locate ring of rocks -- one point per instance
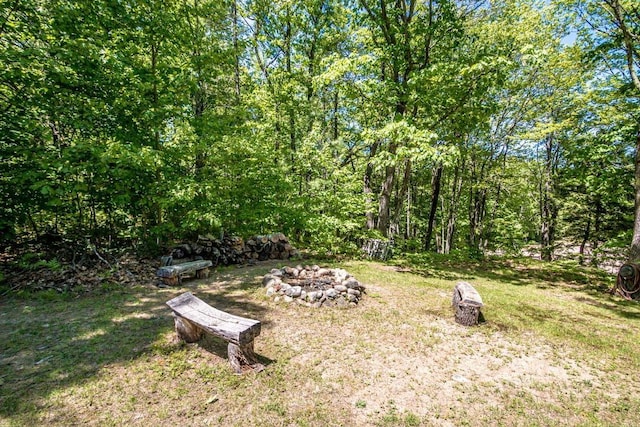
(313, 286)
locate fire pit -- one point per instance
(313, 286)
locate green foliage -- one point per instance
(32, 261)
(327, 120)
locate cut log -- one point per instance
(467, 303)
(187, 331)
(203, 273)
(242, 358)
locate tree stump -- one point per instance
(467, 302)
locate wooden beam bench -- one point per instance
(467, 302)
(193, 317)
(172, 274)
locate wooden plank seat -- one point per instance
(193, 317)
(172, 274)
(467, 302)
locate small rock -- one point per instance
(303, 295)
(340, 275)
(302, 274)
(317, 304)
(276, 299)
(341, 302)
(351, 283)
(340, 288)
(284, 287)
(323, 272)
(352, 298)
(294, 291)
(270, 280)
(288, 298)
(353, 304)
(352, 291)
(331, 293)
(270, 291)
(276, 272)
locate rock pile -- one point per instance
(313, 286)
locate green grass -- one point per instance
(556, 349)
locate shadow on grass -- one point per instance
(49, 344)
(586, 284)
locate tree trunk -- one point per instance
(631, 53)
(447, 243)
(548, 209)
(402, 193)
(585, 238)
(436, 180)
(476, 216)
(236, 50)
(634, 251)
(384, 203)
(368, 188)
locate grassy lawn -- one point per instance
(555, 349)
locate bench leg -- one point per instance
(186, 330)
(172, 281)
(242, 358)
(203, 273)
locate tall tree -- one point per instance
(610, 30)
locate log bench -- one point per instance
(172, 274)
(467, 302)
(193, 317)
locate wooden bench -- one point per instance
(193, 317)
(467, 302)
(172, 274)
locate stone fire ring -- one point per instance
(313, 286)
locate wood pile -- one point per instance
(232, 250)
(272, 246)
